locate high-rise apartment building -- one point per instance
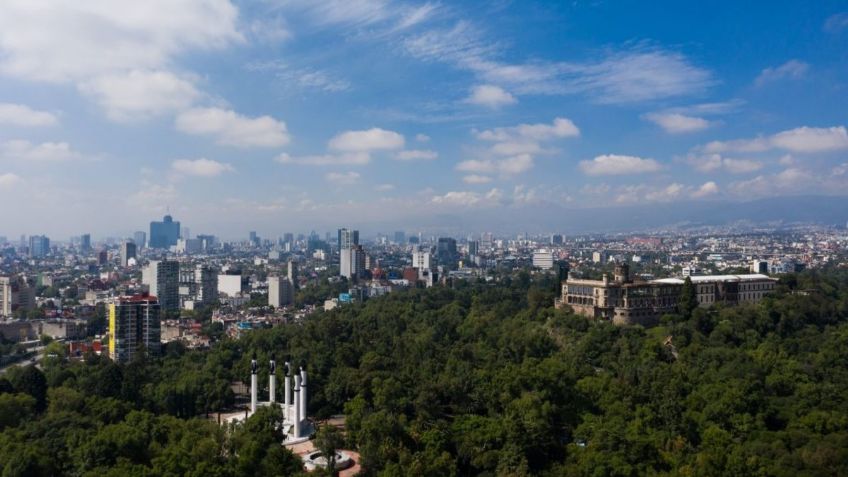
(127, 252)
(163, 278)
(165, 233)
(280, 291)
(15, 294)
(352, 262)
(39, 246)
(134, 325)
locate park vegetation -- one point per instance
(479, 379)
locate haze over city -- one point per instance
(297, 115)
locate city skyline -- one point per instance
(281, 116)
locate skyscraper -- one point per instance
(163, 278)
(348, 238)
(85, 243)
(280, 291)
(140, 239)
(127, 252)
(39, 246)
(292, 273)
(164, 234)
(134, 324)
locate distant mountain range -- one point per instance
(539, 218)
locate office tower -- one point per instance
(421, 259)
(163, 278)
(85, 243)
(280, 291)
(127, 252)
(164, 234)
(348, 238)
(134, 325)
(556, 239)
(292, 273)
(352, 262)
(400, 237)
(473, 247)
(39, 246)
(15, 294)
(140, 239)
(446, 252)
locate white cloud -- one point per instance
(343, 178)
(373, 139)
(233, 129)
(422, 137)
(559, 128)
(349, 159)
(22, 150)
(612, 164)
(799, 140)
(476, 179)
(22, 115)
(78, 40)
(505, 167)
(201, 167)
(676, 123)
(490, 96)
(468, 198)
(140, 94)
(706, 190)
(806, 139)
(8, 180)
(715, 162)
(836, 22)
(416, 154)
(792, 69)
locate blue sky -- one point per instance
(291, 115)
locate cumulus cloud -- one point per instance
(715, 162)
(348, 159)
(342, 178)
(201, 167)
(416, 154)
(469, 198)
(476, 179)
(676, 123)
(22, 115)
(490, 96)
(8, 180)
(799, 140)
(706, 190)
(559, 128)
(18, 149)
(140, 94)
(505, 167)
(613, 164)
(373, 139)
(792, 69)
(232, 129)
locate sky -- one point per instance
(294, 115)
